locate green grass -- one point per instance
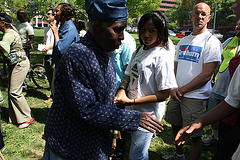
(28, 144)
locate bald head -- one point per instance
(200, 17)
(202, 5)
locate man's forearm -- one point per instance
(201, 79)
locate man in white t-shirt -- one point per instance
(25, 29)
(224, 109)
(197, 57)
(26, 33)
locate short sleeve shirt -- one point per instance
(150, 71)
(191, 53)
(233, 97)
(11, 44)
(25, 30)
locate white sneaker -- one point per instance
(210, 140)
(173, 156)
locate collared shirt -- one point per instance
(48, 39)
(68, 35)
(83, 114)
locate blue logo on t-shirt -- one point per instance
(190, 53)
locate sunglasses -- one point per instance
(50, 14)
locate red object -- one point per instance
(234, 119)
(180, 34)
(31, 121)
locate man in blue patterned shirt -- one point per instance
(83, 114)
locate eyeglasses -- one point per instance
(204, 15)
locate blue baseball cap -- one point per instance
(107, 10)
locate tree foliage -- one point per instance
(137, 8)
(180, 14)
(225, 14)
(37, 7)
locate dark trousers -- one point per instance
(229, 138)
(49, 69)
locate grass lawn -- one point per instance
(28, 144)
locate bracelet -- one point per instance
(121, 88)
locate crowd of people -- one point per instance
(100, 82)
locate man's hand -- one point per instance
(186, 132)
(176, 94)
(150, 123)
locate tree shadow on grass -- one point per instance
(33, 92)
(39, 114)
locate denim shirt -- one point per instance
(68, 35)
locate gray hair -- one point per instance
(90, 26)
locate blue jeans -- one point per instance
(139, 145)
(49, 155)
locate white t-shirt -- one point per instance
(150, 71)
(48, 39)
(233, 96)
(25, 30)
(191, 53)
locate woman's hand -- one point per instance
(121, 94)
(54, 27)
(121, 99)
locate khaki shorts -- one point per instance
(181, 114)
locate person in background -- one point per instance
(230, 49)
(81, 28)
(149, 78)
(1, 97)
(48, 48)
(83, 114)
(1, 101)
(64, 36)
(122, 56)
(197, 57)
(25, 30)
(18, 66)
(27, 35)
(228, 107)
